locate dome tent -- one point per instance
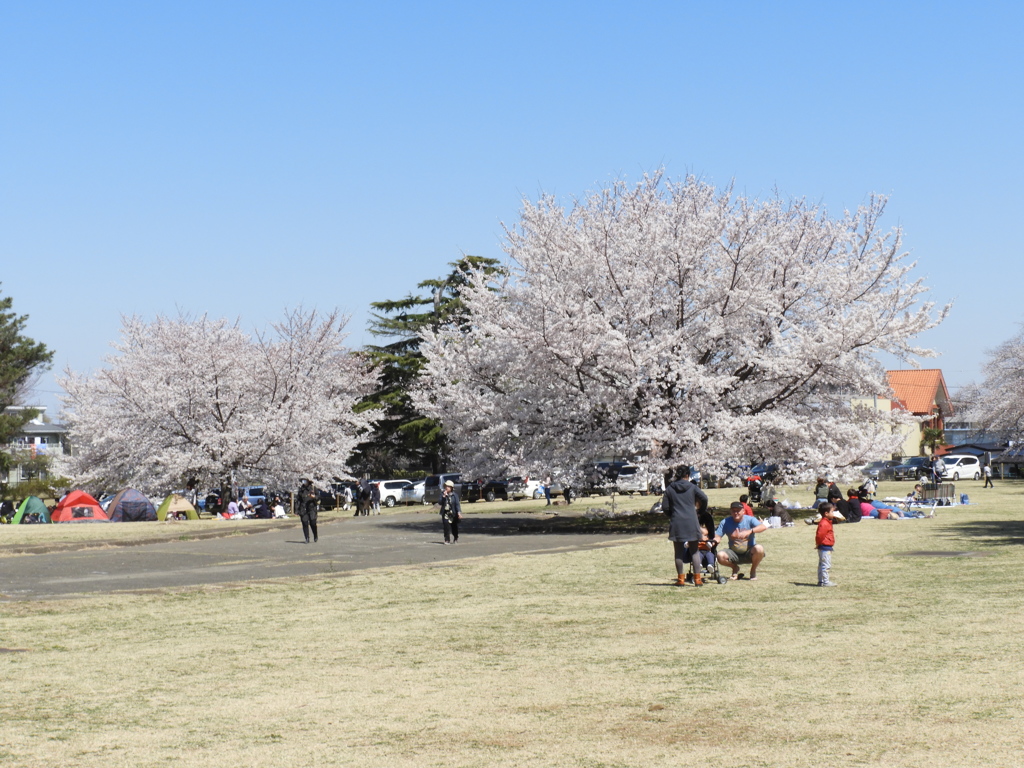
(31, 505)
(79, 507)
(130, 506)
(176, 503)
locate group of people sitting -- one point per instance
(858, 504)
(243, 509)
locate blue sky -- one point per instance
(238, 158)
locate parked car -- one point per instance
(617, 477)
(470, 490)
(880, 470)
(505, 488)
(432, 486)
(413, 493)
(915, 468)
(632, 479)
(213, 502)
(333, 497)
(390, 490)
(961, 466)
(518, 488)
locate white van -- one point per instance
(962, 466)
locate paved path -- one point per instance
(349, 544)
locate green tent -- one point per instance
(176, 503)
(32, 505)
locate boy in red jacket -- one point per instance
(825, 540)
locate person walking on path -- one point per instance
(987, 471)
(680, 504)
(307, 510)
(825, 540)
(451, 513)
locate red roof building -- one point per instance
(923, 393)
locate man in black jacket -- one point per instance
(306, 507)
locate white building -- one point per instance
(37, 439)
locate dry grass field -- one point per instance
(585, 658)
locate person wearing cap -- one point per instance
(740, 529)
(451, 513)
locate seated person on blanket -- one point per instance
(874, 509)
(916, 496)
(848, 512)
(912, 504)
(740, 529)
(777, 509)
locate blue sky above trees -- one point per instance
(240, 158)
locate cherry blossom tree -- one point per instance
(997, 404)
(683, 323)
(199, 399)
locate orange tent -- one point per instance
(79, 507)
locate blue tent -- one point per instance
(130, 506)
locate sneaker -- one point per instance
(828, 584)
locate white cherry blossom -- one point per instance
(199, 398)
(677, 321)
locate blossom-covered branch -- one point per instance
(674, 320)
(200, 399)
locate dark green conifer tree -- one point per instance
(20, 359)
(404, 440)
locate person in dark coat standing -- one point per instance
(680, 504)
(306, 508)
(451, 513)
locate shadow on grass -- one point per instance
(997, 532)
(508, 525)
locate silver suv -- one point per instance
(432, 486)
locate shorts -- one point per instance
(738, 559)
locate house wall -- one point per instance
(911, 432)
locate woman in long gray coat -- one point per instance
(680, 504)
